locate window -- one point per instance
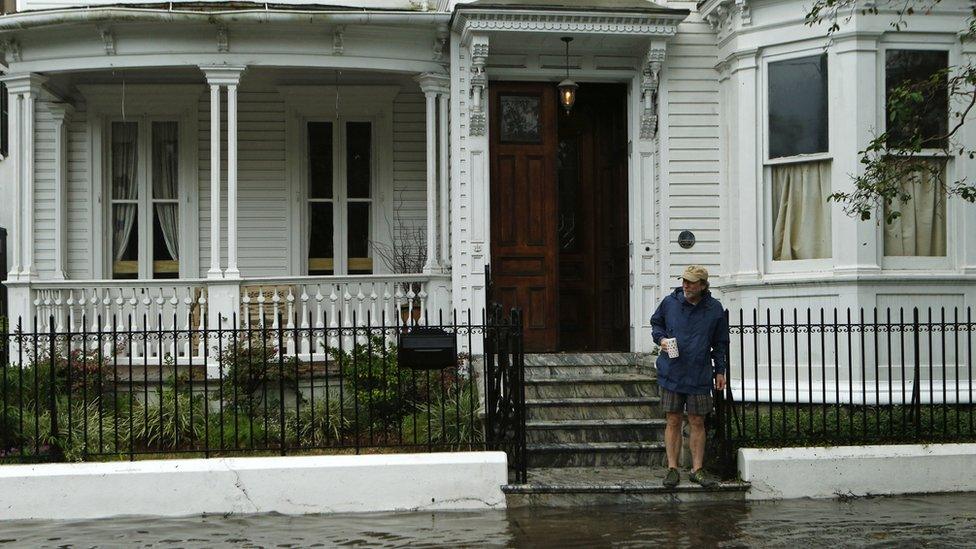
(798, 166)
(144, 213)
(339, 215)
(920, 228)
(798, 106)
(914, 69)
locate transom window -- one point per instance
(339, 197)
(144, 215)
(798, 172)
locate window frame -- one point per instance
(365, 103)
(953, 216)
(340, 200)
(174, 102)
(774, 266)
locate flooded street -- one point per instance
(928, 521)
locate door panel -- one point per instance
(523, 205)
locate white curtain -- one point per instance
(920, 230)
(801, 213)
(124, 164)
(165, 182)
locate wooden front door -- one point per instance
(523, 206)
(593, 221)
(559, 214)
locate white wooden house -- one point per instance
(194, 160)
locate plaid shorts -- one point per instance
(699, 405)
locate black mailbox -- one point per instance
(427, 349)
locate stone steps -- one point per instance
(594, 430)
(595, 454)
(637, 407)
(581, 486)
(608, 385)
(586, 364)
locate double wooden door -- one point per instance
(559, 214)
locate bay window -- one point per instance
(797, 158)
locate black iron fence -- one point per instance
(833, 377)
(93, 393)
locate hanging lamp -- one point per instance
(567, 88)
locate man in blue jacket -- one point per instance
(692, 325)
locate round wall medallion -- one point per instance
(686, 239)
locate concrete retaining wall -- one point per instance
(858, 470)
(289, 485)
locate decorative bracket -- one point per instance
(223, 41)
(650, 80)
(12, 47)
(108, 39)
(337, 45)
(478, 49)
(440, 43)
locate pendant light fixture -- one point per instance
(567, 88)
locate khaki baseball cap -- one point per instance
(694, 273)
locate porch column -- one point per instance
(445, 196)
(432, 84)
(60, 112)
(217, 77)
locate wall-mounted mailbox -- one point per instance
(427, 349)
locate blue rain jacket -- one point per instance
(702, 332)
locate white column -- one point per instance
(27, 154)
(217, 77)
(853, 104)
(747, 173)
(432, 84)
(13, 150)
(232, 270)
(60, 112)
(443, 165)
(214, 271)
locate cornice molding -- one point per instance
(726, 16)
(470, 21)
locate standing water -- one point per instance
(931, 521)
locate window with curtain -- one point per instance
(920, 228)
(801, 213)
(145, 203)
(339, 197)
(799, 169)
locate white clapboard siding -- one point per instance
(44, 190)
(692, 147)
(409, 162)
(79, 253)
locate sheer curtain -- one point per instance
(124, 163)
(166, 182)
(801, 214)
(921, 228)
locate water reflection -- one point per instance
(933, 521)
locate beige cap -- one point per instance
(694, 273)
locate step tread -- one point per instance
(555, 480)
(595, 379)
(592, 446)
(584, 359)
(591, 423)
(566, 401)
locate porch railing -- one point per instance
(830, 377)
(189, 304)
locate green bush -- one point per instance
(252, 374)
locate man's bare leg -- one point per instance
(697, 441)
(672, 439)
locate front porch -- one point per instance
(179, 197)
